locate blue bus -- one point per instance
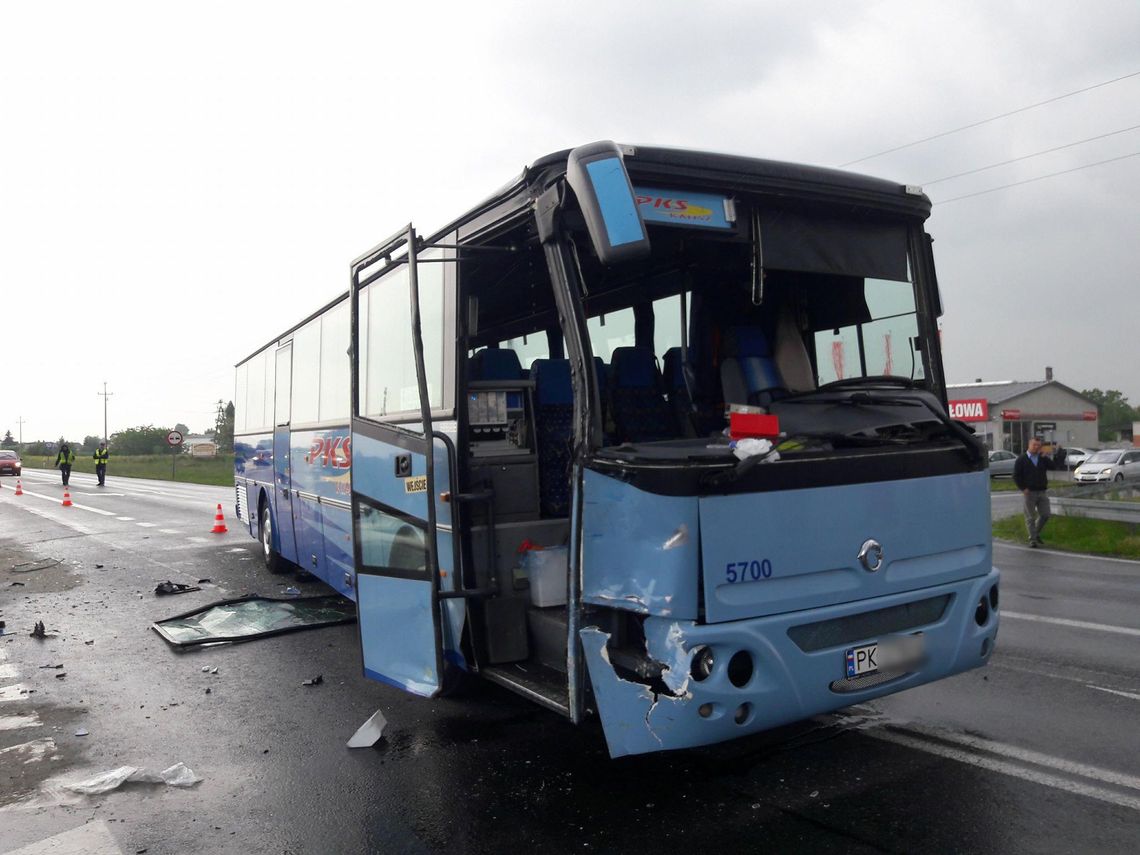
(654, 436)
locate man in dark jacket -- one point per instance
(1031, 475)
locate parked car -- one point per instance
(1112, 464)
(1074, 457)
(10, 463)
(1001, 464)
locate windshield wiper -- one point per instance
(871, 380)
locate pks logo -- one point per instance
(335, 452)
(678, 208)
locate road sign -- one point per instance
(174, 438)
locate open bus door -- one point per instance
(396, 477)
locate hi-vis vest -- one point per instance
(68, 457)
(101, 455)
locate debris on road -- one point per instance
(81, 732)
(61, 675)
(204, 581)
(39, 630)
(247, 618)
(168, 587)
(178, 775)
(292, 591)
(315, 681)
(98, 566)
(60, 665)
(370, 732)
(32, 566)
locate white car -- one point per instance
(1074, 457)
(1113, 464)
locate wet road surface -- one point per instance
(1037, 753)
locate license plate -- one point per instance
(894, 653)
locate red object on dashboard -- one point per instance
(742, 425)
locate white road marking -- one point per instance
(1131, 695)
(197, 539)
(169, 531)
(91, 838)
(147, 525)
(73, 504)
(18, 722)
(1076, 624)
(35, 750)
(15, 692)
(9, 672)
(125, 519)
(1006, 767)
(1017, 546)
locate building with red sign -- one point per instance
(1008, 413)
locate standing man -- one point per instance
(63, 462)
(1031, 474)
(100, 456)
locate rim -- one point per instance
(266, 533)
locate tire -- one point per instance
(1119, 476)
(274, 563)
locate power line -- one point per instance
(991, 119)
(1028, 156)
(1038, 178)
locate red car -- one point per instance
(10, 463)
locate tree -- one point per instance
(145, 439)
(224, 427)
(8, 441)
(182, 429)
(90, 443)
(1114, 410)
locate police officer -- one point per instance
(63, 462)
(100, 457)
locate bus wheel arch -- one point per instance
(274, 563)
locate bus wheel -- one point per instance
(274, 563)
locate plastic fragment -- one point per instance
(178, 775)
(293, 591)
(81, 732)
(315, 681)
(369, 733)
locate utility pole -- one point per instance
(20, 422)
(105, 395)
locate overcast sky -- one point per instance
(181, 182)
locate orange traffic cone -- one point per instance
(19, 489)
(219, 522)
(66, 498)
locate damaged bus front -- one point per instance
(666, 441)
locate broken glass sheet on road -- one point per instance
(247, 618)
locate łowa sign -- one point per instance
(970, 410)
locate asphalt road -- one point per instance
(1036, 753)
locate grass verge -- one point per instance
(217, 471)
(1078, 534)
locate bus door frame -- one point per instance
(284, 524)
(429, 585)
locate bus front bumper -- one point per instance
(759, 673)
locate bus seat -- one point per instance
(748, 374)
(493, 363)
(601, 369)
(554, 430)
(791, 356)
(637, 404)
(696, 414)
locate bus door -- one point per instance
(282, 474)
(398, 471)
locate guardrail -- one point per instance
(1083, 501)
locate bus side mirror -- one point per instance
(596, 173)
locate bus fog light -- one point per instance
(740, 668)
(982, 612)
(702, 664)
(705, 710)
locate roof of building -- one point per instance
(1000, 391)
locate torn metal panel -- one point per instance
(247, 618)
(641, 551)
(634, 718)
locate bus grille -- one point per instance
(239, 491)
(868, 625)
